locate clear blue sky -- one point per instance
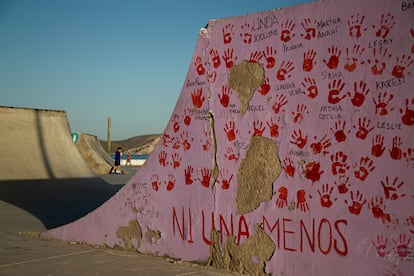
(98, 58)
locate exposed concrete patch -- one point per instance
(152, 236)
(249, 257)
(256, 174)
(128, 233)
(245, 78)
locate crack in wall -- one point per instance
(215, 170)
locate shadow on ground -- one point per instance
(56, 202)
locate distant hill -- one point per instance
(143, 144)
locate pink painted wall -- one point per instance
(337, 100)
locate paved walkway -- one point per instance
(22, 252)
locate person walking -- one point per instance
(128, 162)
(118, 157)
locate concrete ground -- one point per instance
(29, 207)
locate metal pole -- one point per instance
(109, 135)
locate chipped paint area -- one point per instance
(249, 257)
(245, 78)
(256, 174)
(152, 236)
(130, 235)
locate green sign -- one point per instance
(75, 137)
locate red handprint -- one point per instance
(176, 122)
(381, 244)
(269, 55)
(408, 114)
(355, 24)
(188, 114)
(246, 33)
(395, 151)
(228, 58)
(225, 95)
(207, 142)
(299, 115)
(197, 97)
(188, 175)
(378, 63)
(323, 143)
(229, 129)
(404, 247)
(154, 182)
(299, 140)
(162, 156)
(273, 127)
(310, 85)
(357, 203)
(206, 174)
(333, 61)
(227, 33)
(382, 103)
(312, 171)
(211, 76)
(409, 156)
(288, 167)
(363, 128)
(378, 208)
(359, 93)
(287, 28)
(230, 155)
(284, 71)
(302, 204)
(185, 140)
(176, 143)
(366, 166)
(401, 65)
(199, 66)
(166, 139)
(387, 23)
(281, 201)
(352, 58)
(215, 57)
(390, 190)
(308, 60)
(281, 101)
(225, 180)
(339, 164)
(339, 131)
(325, 196)
(265, 87)
(258, 128)
(309, 27)
(176, 158)
(256, 56)
(377, 145)
(335, 88)
(171, 182)
(343, 184)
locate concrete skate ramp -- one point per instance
(290, 150)
(41, 169)
(93, 153)
(37, 144)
